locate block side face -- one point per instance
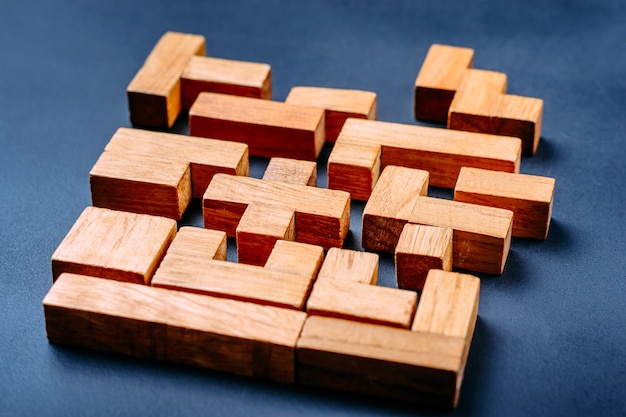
(222, 215)
(432, 104)
(479, 253)
(381, 233)
(501, 184)
(333, 99)
(148, 110)
(411, 269)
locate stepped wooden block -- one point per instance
(350, 265)
(291, 171)
(269, 128)
(529, 197)
(225, 76)
(322, 216)
(154, 94)
(114, 244)
(181, 269)
(420, 249)
(339, 105)
(438, 80)
(154, 323)
(364, 147)
(390, 205)
(520, 117)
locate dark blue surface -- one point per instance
(551, 334)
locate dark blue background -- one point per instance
(551, 334)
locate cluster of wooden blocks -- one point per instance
(297, 307)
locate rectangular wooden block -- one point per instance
(350, 265)
(296, 258)
(339, 105)
(225, 76)
(269, 128)
(529, 197)
(114, 244)
(438, 80)
(154, 96)
(154, 323)
(481, 237)
(519, 117)
(291, 171)
(378, 360)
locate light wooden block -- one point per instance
(339, 105)
(206, 157)
(438, 80)
(154, 94)
(291, 171)
(154, 323)
(390, 205)
(269, 128)
(369, 359)
(365, 146)
(481, 237)
(322, 216)
(296, 258)
(362, 302)
(529, 197)
(114, 244)
(519, 117)
(420, 249)
(350, 265)
(225, 76)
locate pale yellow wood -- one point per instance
(520, 117)
(269, 128)
(291, 171)
(113, 244)
(154, 323)
(296, 258)
(350, 265)
(154, 96)
(529, 197)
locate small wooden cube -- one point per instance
(519, 117)
(291, 171)
(296, 258)
(350, 265)
(420, 249)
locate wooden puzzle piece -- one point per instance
(339, 105)
(350, 265)
(438, 80)
(114, 244)
(154, 94)
(364, 147)
(225, 76)
(268, 127)
(420, 249)
(529, 197)
(520, 117)
(155, 323)
(302, 259)
(291, 171)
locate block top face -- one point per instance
(350, 265)
(335, 99)
(508, 185)
(479, 92)
(396, 191)
(227, 71)
(509, 106)
(424, 240)
(444, 66)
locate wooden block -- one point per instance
(114, 244)
(420, 249)
(353, 167)
(194, 244)
(154, 96)
(362, 302)
(338, 104)
(154, 323)
(388, 210)
(225, 76)
(206, 157)
(322, 216)
(269, 128)
(350, 265)
(377, 360)
(296, 258)
(481, 237)
(529, 197)
(519, 117)
(291, 171)
(438, 80)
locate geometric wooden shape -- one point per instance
(519, 117)
(438, 80)
(269, 128)
(350, 265)
(225, 76)
(114, 244)
(154, 96)
(154, 323)
(529, 197)
(420, 249)
(364, 147)
(339, 105)
(296, 258)
(291, 171)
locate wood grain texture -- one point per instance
(529, 197)
(350, 265)
(154, 323)
(322, 216)
(154, 94)
(296, 258)
(339, 105)
(225, 76)
(438, 79)
(114, 244)
(291, 171)
(420, 249)
(390, 205)
(269, 128)
(519, 117)
(377, 360)
(354, 167)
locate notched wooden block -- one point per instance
(291, 171)
(350, 265)
(529, 197)
(115, 245)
